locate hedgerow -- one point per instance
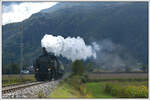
(126, 91)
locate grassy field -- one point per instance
(96, 90)
(64, 91)
(110, 85)
(15, 79)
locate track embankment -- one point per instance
(29, 90)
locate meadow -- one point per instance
(15, 79)
(108, 85)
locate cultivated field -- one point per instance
(121, 76)
(15, 79)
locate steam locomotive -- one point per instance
(47, 67)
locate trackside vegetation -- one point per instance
(15, 79)
(78, 85)
(127, 89)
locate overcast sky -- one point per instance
(19, 11)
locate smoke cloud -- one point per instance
(107, 54)
(114, 57)
(72, 48)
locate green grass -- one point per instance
(64, 91)
(94, 90)
(97, 90)
(15, 79)
(76, 87)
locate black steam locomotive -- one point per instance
(47, 67)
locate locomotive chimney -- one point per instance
(44, 51)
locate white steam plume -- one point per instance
(72, 48)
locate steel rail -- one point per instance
(17, 87)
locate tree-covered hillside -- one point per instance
(123, 23)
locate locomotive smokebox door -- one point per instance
(46, 66)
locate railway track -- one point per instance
(17, 84)
(13, 88)
(30, 90)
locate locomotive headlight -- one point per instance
(37, 69)
(49, 69)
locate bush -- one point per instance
(144, 68)
(83, 89)
(75, 81)
(84, 78)
(11, 69)
(77, 67)
(126, 91)
(108, 87)
(136, 92)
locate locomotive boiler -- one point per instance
(47, 67)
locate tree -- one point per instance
(78, 67)
(5, 70)
(89, 67)
(128, 69)
(11, 69)
(144, 68)
(15, 69)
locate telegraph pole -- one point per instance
(21, 50)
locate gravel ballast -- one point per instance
(36, 91)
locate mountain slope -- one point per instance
(124, 24)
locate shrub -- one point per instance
(108, 87)
(11, 69)
(84, 92)
(83, 89)
(75, 81)
(77, 67)
(136, 91)
(126, 91)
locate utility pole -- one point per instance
(21, 50)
